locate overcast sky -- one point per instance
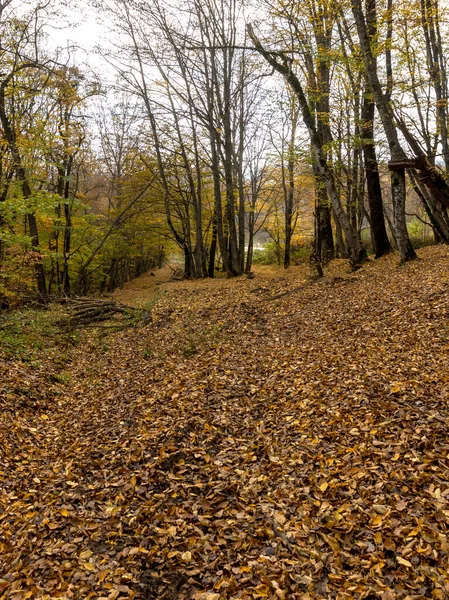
(83, 34)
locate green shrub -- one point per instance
(300, 253)
(268, 256)
(420, 233)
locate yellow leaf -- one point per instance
(403, 561)
(86, 554)
(187, 556)
(324, 486)
(89, 566)
(262, 591)
(376, 521)
(279, 517)
(102, 575)
(64, 512)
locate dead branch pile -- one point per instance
(88, 312)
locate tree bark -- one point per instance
(381, 243)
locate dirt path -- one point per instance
(145, 288)
(243, 447)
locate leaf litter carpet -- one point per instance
(248, 443)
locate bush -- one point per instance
(420, 233)
(268, 256)
(300, 253)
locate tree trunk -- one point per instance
(400, 226)
(325, 247)
(212, 250)
(221, 237)
(250, 251)
(381, 243)
(435, 211)
(290, 192)
(340, 248)
(188, 262)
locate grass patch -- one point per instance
(29, 333)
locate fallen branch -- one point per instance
(88, 312)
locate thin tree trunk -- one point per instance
(212, 250)
(290, 193)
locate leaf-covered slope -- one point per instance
(242, 446)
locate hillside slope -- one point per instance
(266, 438)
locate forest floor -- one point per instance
(278, 438)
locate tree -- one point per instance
(364, 128)
(398, 155)
(24, 70)
(281, 63)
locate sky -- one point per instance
(83, 34)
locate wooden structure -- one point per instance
(405, 163)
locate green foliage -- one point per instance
(420, 233)
(268, 256)
(300, 253)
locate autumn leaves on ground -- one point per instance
(273, 438)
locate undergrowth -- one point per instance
(28, 333)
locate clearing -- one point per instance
(247, 443)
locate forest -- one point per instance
(312, 128)
(224, 300)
